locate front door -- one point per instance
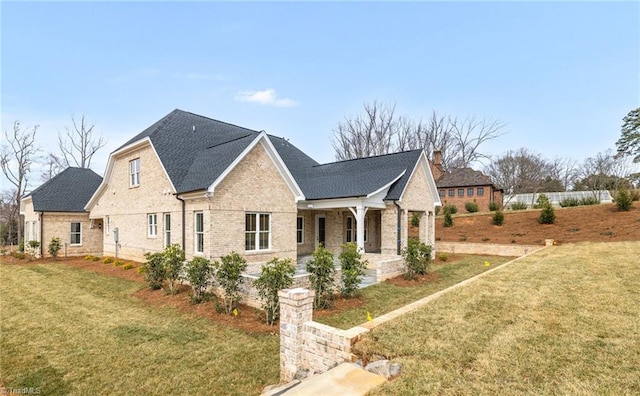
(320, 230)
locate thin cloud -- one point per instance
(265, 97)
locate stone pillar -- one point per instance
(296, 308)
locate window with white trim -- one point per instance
(300, 229)
(75, 234)
(199, 232)
(107, 225)
(34, 231)
(167, 229)
(134, 172)
(351, 235)
(366, 229)
(152, 225)
(257, 231)
(27, 237)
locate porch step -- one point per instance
(368, 279)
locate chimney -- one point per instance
(437, 158)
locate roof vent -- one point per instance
(194, 128)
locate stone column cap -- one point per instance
(297, 293)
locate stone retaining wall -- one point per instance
(485, 248)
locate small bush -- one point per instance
(228, 273)
(415, 220)
(118, 263)
(471, 207)
(154, 270)
(274, 276)
(542, 201)
(518, 206)
(95, 258)
(493, 206)
(322, 270)
(448, 219)
(624, 200)
(589, 201)
(498, 218)
(452, 209)
(438, 210)
(352, 269)
(569, 202)
(173, 258)
(127, 266)
(198, 273)
(635, 195)
(443, 257)
(141, 270)
(21, 245)
(88, 257)
(19, 255)
(107, 260)
(417, 257)
(54, 247)
(547, 216)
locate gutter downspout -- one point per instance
(398, 228)
(184, 217)
(41, 237)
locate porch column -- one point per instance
(360, 213)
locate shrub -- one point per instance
(415, 220)
(547, 216)
(118, 263)
(21, 245)
(322, 270)
(635, 195)
(452, 209)
(228, 273)
(54, 247)
(417, 257)
(471, 207)
(542, 201)
(275, 275)
(493, 206)
(173, 257)
(498, 218)
(443, 257)
(95, 258)
(198, 273)
(127, 266)
(569, 202)
(154, 270)
(438, 210)
(107, 260)
(518, 206)
(589, 201)
(19, 255)
(623, 200)
(88, 257)
(448, 219)
(352, 269)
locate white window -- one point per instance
(366, 229)
(167, 229)
(134, 171)
(300, 229)
(107, 225)
(257, 231)
(26, 231)
(351, 235)
(34, 231)
(152, 224)
(199, 232)
(75, 235)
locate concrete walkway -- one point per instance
(346, 379)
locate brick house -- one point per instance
(461, 185)
(214, 188)
(56, 209)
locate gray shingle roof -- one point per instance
(195, 157)
(462, 177)
(69, 191)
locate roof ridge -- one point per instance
(372, 156)
(230, 141)
(213, 119)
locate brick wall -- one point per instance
(489, 195)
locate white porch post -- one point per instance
(359, 214)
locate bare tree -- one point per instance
(379, 130)
(52, 166)
(564, 170)
(16, 158)
(518, 172)
(603, 172)
(80, 144)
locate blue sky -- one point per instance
(560, 75)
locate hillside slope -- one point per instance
(584, 223)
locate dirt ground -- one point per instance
(599, 223)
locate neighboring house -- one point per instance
(461, 185)
(214, 188)
(56, 209)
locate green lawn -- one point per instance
(565, 320)
(385, 297)
(70, 331)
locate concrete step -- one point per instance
(346, 379)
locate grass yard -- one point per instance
(72, 331)
(385, 297)
(565, 320)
